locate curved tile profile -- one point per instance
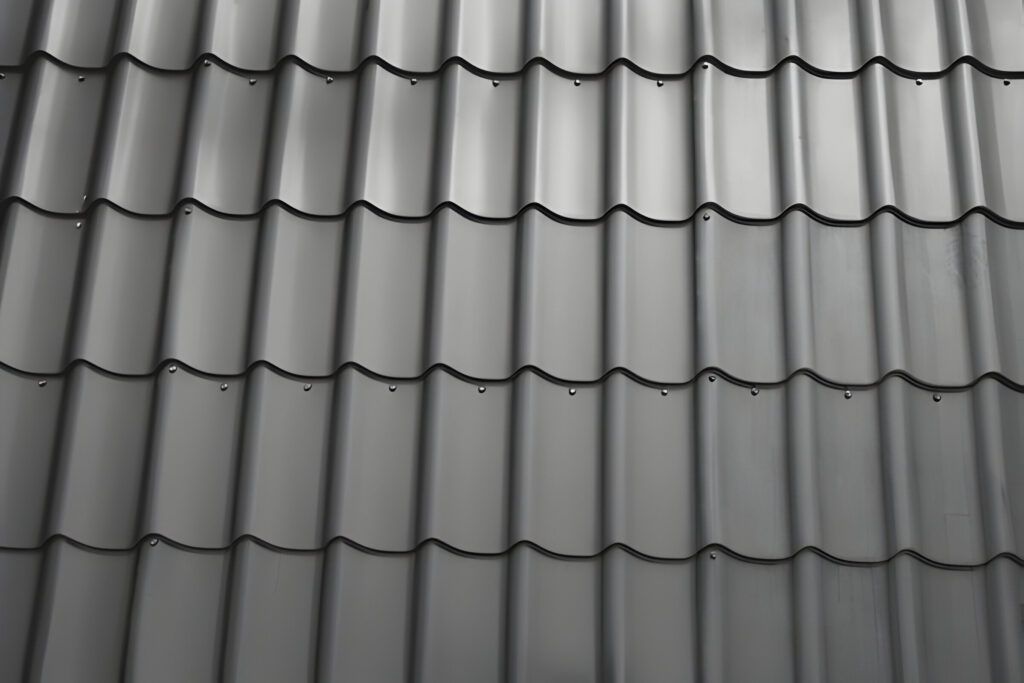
(850, 304)
(755, 146)
(203, 461)
(163, 613)
(578, 36)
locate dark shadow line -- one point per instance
(704, 552)
(703, 61)
(712, 373)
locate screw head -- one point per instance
(481, 389)
(1005, 82)
(714, 555)
(42, 382)
(307, 387)
(576, 82)
(712, 378)
(706, 216)
(78, 225)
(754, 391)
(661, 83)
(154, 541)
(847, 394)
(2, 76)
(252, 81)
(173, 369)
(936, 397)
(206, 62)
(223, 387)
(919, 81)
(704, 65)
(330, 79)
(664, 392)
(188, 209)
(572, 391)
(392, 387)
(414, 81)
(494, 83)
(81, 78)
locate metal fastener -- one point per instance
(223, 387)
(330, 79)
(206, 62)
(3, 76)
(173, 369)
(78, 225)
(392, 388)
(1006, 82)
(572, 391)
(252, 81)
(704, 65)
(481, 389)
(661, 83)
(936, 397)
(664, 392)
(81, 78)
(576, 82)
(754, 391)
(919, 81)
(188, 209)
(494, 83)
(847, 394)
(711, 378)
(42, 382)
(307, 387)
(714, 555)
(414, 81)
(706, 216)
(154, 541)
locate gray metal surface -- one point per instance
(860, 478)
(381, 340)
(850, 304)
(754, 146)
(662, 36)
(162, 613)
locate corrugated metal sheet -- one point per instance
(204, 460)
(845, 148)
(252, 613)
(582, 36)
(383, 340)
(849, 304)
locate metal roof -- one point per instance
(579, 36)
(542, 340)
(204, 460)
(396, 297)
(842, 147)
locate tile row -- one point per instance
(580, 36)
(205, 460)
(144, 140)
(759, 302)
(163, 613)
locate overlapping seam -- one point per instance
(704, 550)
(92, 204)
(704, 61)
(712, 373)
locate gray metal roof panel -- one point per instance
(160, 612)
(499, 36)
(845, 147)
(253, 190)
(106, 460)
(850, 304)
